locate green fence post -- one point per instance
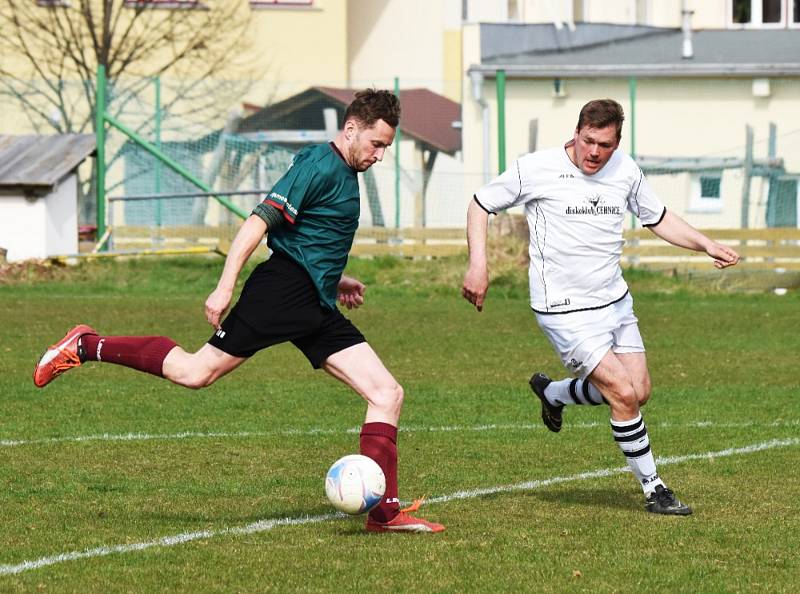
(100, 141)
(157, 82)
(500, 81)
(397, 138)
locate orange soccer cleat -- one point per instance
(60, 357)
(404, 522)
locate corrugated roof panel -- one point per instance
(33, 160)
(748, 52)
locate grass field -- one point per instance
(113, 481)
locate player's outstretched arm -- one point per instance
(676, 231)
(247, 239)
(476, 280)
(351, 292)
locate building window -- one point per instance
(706, 194)
(760, 13)
(795, 13)
(709, 187)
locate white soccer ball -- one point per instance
(355, 484)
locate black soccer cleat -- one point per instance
(663, 501)
(551, 413)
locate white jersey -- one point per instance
(576, 223)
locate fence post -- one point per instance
(500, 81)
(157, 83)
(100, 141)
(632, 95)
(747, 174)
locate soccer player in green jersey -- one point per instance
(311, 215)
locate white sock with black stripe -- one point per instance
(631, 437)
(573, 391)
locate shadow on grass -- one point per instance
(593, 497)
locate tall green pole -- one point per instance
(398, 136)
(501, 121)
(100, 135)
(157, 82)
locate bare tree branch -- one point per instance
(57, 44)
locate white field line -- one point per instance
(264, 525)
(10, 443)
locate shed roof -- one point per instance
(41, 162)
(426, 116)
(594, 49)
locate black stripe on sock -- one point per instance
(637, 453)
(619, 427)
(573, 392)
(586, 394)
(626, 438)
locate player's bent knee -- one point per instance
(626, 396)
(198, 379)
(643, 392)
(389, 398)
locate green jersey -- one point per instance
(320, 202)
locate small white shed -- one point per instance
(39, 194)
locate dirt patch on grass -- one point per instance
(30, 271)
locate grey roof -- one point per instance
(41, 162)
(608, 50)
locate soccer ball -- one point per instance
(355, 484)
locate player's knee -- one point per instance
(390, 397)
(644, 393)
(627, 396)
(197, 379)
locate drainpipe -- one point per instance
(477, 94)
(687, 51)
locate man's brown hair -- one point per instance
(371, 105)
(601, 113)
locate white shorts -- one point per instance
(582, 338)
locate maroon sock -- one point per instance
(379, 442)
(145, 353)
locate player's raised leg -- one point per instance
(360, 368)
(156, 355)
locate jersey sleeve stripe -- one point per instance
(478, 202)
(280, 206)
(661, 218)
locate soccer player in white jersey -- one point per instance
(575, 199)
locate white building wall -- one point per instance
(40, 227)
(396, 39)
